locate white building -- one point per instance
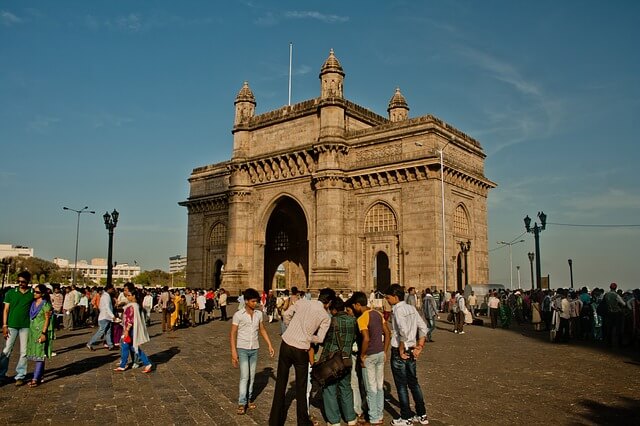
(177, 263)
(8, 250)
(97, 269)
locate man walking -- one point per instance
(245, 326)
(404, 353)
(166, 315)
(15, 320)
(375, 344)
(430, 310)
(308, 322)
(105, 319)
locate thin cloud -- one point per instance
(42, 124)
(8, 19)
(137, 23)
(309, 14)
(613, 199)
(109, 120)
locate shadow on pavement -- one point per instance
(262, 380)
(621, 412)
(64, 336)
(69, 348)
(390, 401)
(164, 356)
(81, 366)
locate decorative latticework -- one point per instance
(281, 243)
(218, 235)
(460, 221)
(380, 218)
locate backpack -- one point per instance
(171, 306)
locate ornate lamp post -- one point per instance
(531, 257)
(464, 248)
(85, 209)
(536, 234)
(110, 222)
(571, 271)
(5, 269)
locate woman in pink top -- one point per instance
(134, 331)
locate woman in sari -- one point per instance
(175, 315)
(134, 331)
(39, 343)
(504, 311)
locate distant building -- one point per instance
(97, 269)
(177, 263)
(8, 250)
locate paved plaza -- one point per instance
(482, 377)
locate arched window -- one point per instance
(460, 221)
(380, 218)
(218, 235)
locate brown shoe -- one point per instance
(19, 382)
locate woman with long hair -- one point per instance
(134, 330)
(40, 340)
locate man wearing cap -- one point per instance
(16, 323)
(614, 320)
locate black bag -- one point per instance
(335, 367)
(171, 307)
(478, 321)
(602, 308)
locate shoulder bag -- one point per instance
(336, 366)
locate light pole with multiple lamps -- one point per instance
(110, 222)
(536, 234)
(85, 209)
(464, 248)
(512, 243)
(571, 272)
(531, 257)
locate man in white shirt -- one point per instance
(68, 307)
(407, 324)
(105, 319)
(245, 326)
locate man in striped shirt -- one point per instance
(307, 322)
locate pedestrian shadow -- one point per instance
(82, 366)
(68, 348)
(390, 402)
(261, 381)
(614, 413)
(164, 356)
(64, 336)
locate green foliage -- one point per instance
(41, 270)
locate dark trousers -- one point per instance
(223, 313)
(299, 358)
(494, 317)
(406, 379)
(166, 320)
(563, 331)
(459, 318)
(613, 321)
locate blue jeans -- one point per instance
(404, 376)
(104, 329)
(336, 396)
(373, 375)
(21, 368)
(127, 349)
(431, 325)
(248, 359)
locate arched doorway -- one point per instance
(217, 274)
(459, 272)
(382, 273)
(286, 244)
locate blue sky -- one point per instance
(112, 104)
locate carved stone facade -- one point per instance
(345, 197)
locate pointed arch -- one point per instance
(461, 220)
(380, 218)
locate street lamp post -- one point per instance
(571, 271)
(536, 234)
(110, 222)
(518, 269)
(531, 257)
(512, 243)
(465, 247)
(5, 269)
(85, 209)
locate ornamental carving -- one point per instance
(387, 152)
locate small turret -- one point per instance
(398, 108)
(245, 104)
(331, 78)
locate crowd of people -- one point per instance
(367, 330)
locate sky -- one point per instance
(112, 104)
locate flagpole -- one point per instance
(290, 61)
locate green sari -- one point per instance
(39, 351)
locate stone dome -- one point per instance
(245, 94)
(397, 101)
(331, 65)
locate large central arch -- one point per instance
(286, 241)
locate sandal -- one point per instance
(33, 384)
(119, 368)
(241, 410)
(147, 369)
(252, 406)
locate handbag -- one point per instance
(335, 367)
